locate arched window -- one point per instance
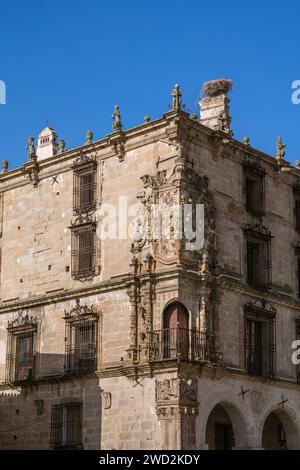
(175, 335)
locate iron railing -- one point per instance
(79, 361)
(179, 343)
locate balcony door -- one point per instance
(176, 332)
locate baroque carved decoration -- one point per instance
(80, 311)
(106, 400)
(164, 200)
(23, 320)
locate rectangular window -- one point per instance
(81, 346)
(84, 191)
(254, 189)
(258, 262)
(66, 426)
(83, 251)
(297, 214)
(20, 359)
(260, 346)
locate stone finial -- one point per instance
(147, 119)
(89, 137)
(176, 93)
(297, 164)
(246, 141)
(4, 166)
(280, 152)
(30, 148)
(117, 124)
(194, 117)
(61, 146)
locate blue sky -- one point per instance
(71, 61)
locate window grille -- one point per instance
(21, 354)
(260, 336)
(258, 256)
(84, 184)
(81, 340)
(66, 426)
(83, 250)
(254, 188)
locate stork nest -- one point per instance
(222, 86)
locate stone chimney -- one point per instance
(214, 105)
(47, 144)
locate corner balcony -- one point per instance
(179, 343)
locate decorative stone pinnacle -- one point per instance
(147, 119)
(297, 164)
(117, 124)
(176, 93)
(194, 117)
(89, 137)
(30, 149)
(61, 146)
(246, 140)
(4, 166)
(280, 152)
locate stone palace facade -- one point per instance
(149, 344)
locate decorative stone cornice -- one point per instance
(79, 312)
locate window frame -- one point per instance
(79, 253)
(61, 424)
(83, 166)
(254, 172)
(263, 313)
(260, 236)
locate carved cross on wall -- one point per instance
(283, 401)
(54, 180)
(243, 392)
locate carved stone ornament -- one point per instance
(80, 311)
(23, 320)
(166, 390)
(106, 400)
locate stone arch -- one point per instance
(287, 417)
(236, 419)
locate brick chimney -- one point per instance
(214, 106)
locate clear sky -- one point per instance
(71, 61)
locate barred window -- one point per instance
(254, 188)
(81, 340)
(224, 436)
(21, 343)
(66, 426)
(297, 214)
(84, 192)
(258, 256)
(84, 184)
(83, 250)
(260, 345)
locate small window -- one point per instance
(254, 188)
(20, 358)
(84, 192)
(66, 426)
(260, 340)
(83, 251)
(258, 256)
(297, 214)
(81, 340)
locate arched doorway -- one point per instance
(219, 430)
(175, 332)
(274, 435)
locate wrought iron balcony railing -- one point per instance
(20, 368)
(179, 343)
(78, 361)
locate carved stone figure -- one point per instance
(176, 93)
(117, 124)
